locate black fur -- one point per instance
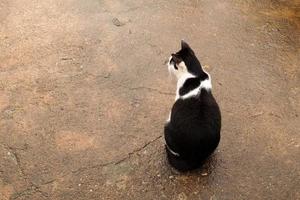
(194, 127)
(189, 85)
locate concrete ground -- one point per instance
(84, 94)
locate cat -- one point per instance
(192, 131)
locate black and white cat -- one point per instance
(192, 131)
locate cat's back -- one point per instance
(194, 127)
(200, 110)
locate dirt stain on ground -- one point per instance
(283, 10)
(6, 191)
(68, 141)
(4, 100)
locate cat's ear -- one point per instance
(185, 46)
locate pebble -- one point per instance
(117, 22)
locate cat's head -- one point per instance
(185, 62)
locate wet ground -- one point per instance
(84, 94)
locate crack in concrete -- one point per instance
(118, 161)
(16, 158)
(29, 191)
(36, 188)
(49, 182)
(33, 188)
(137, 150)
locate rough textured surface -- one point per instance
(84, 94)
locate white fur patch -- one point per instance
(172, 152)
(181, 81)
(181, 69)
(169, 118)
(170, 66)
(206, 84)
(191, 93)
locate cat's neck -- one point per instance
(189, 85)
(181, 81)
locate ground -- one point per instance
(85, 93)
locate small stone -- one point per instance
(171, 177)
(213, 197)
(257, 114)
(66, 58)
(158, 175)
(117, 22)
(182, 196)
(91, 190)
(79, 184)
(204, 174)
(206, 66)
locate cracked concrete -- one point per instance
(84, 98)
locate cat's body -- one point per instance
(192, 131)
